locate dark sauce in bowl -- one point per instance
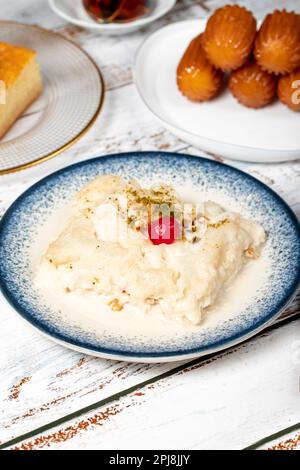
(117, 10)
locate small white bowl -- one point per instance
(74, 12)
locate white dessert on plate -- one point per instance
(114, 246)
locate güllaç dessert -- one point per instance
(175, 263)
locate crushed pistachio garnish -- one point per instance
(219, 224)
(147, 197)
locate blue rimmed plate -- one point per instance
(34, 218)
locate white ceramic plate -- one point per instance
(221, 126)
(70, 102)
(74, 12)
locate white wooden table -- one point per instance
(51, 397)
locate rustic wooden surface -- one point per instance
(52, 397)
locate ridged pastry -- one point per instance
(252, 86)
(229, 36)
(197, 79)
(289, 90)
(277, 46)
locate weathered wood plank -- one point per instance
(230, 403)
(290, 441)
(285, 439)
(30, 11)
(42, 382)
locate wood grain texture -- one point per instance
(285, 439)
(42, 382)
(289, 442)
(227, 402)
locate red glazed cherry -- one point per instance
(164, 230)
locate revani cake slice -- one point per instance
(21, 76)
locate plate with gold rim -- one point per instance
(69, 104)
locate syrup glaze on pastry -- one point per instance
(252, 86)
(229, 37)
(289, 90)
(197, 79)
(277, 46)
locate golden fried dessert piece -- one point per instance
(21, 77)
(252, 86)
(197, 79)
(229, 36)
(289, 90)
(277, 46)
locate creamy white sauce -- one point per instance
(90, 310)
(92, 313)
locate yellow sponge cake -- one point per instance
(21, 78)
